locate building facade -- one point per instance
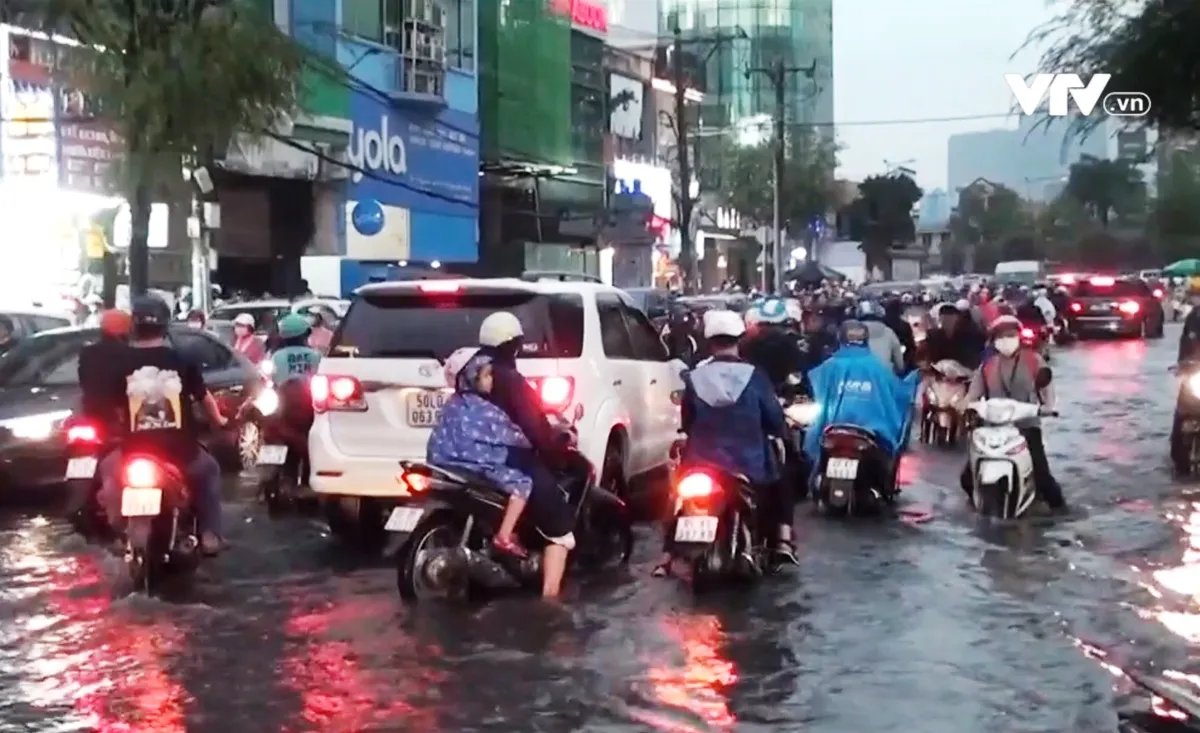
(798, 33)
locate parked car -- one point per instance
(39, 392)
(1119, 306)
(380, 390)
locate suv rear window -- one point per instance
(1119, 289)
(416, 324)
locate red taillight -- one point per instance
(83, 433)
(1027, 334)
(1103, 282)
(413, 483)
(1067, 279)
(439, 287)
(1129, 308)
(1158, 293)
(555, 392)
(696, 486)
(1076, 307)
(141, 473)
(332, 394)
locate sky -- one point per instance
(921, 59)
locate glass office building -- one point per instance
(798, 32)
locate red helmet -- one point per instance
(115, 323)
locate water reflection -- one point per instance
(1183, 580)
(698, 683)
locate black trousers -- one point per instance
(1048, 487)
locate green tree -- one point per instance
(177, 80)
(1107, 188)
(1175, 213)
(1147, 47)
(881, 218)
(808, 180)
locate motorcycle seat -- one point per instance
(850, 431)
(463, 476)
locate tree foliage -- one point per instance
(1107, 188)
(881, 218)
(808, 180)
(1147, 46)
(993, 223)
(1175, 213)
(176, 79)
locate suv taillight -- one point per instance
(332, 393)
(555, 392)
(1076, 307)
(82, 432)
(1129, 308)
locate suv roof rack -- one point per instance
(533, 276)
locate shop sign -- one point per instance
(583, 13)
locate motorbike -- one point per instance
(946, 387)
(999, 462)
(1185, 450)
(283, 457)
(1173, 706)
(161, 534)
(855, 474)
(85, 448)
(442, 531)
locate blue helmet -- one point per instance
(771, 310)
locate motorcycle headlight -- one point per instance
(1193, 382)
(267, 401)
(35, 427)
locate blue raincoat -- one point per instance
(476, 435)
(855, 388)
(729, 409)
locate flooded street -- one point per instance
(942, 626)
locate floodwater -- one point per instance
(942, 626)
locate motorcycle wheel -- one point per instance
(273, 494)
(707, 572)
(609, 533)
(434, 540)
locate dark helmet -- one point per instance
(853, 333)
(150, 313)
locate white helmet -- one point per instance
(456, 361)
(723, 323)
(963, 305)
(499, 328)
(771, 310)
(244, 319)
(795, 311)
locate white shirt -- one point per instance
(1047, 308)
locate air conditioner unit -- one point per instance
(427, 13)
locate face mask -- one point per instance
(195, 324)
(1008, 346)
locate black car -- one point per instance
(39, 391)
(1119, 306)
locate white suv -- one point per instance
(380, 390)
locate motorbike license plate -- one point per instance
(141, 502)
(81, 468)
(845, 469)
(272, 455)
(423, 408)
(404, 519)
(696, 529)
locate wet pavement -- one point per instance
(943, 626)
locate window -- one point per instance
(1119, 289)
(46, 323)
(363, 18)
(201, 350)
(50, 360)
(460, 34)
(647, 346)
(613, 332)
(415, 324)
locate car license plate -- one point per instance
(845, 469)
(141, 502)
(404, 519)
(696, 529)
(1099, 308)
(81, 468)
(272, 455)
(424, 407)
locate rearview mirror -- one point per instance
(1044, 377)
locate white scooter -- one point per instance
(1000, 464)
(945, 389)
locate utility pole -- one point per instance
(778, 74)
(687, 255)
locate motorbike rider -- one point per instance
(294, 359)
(854, 387)
(197, 319)
(683, 342)
(1189, 340)
(157, 389)
(956, 337)
(893, 317)
(774, 347)
(1042, 300)
(500, 340)
(730, 414)
(245, 341)
(884, 342)
(1012, 372)
(818, 343)
(320, 335)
